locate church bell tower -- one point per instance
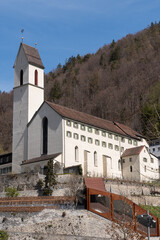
(28, 97)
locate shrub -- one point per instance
(11, 192)
(3, 235)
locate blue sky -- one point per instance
(63, 28)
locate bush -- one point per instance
(11, 192)
(3, 235)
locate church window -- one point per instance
(75, 125)
(103, 144)
(116, 147)
(152, 160)
(83, 138)
(145, 168)
(97, 131)
(95, 159)
(103, 133)
(89, 129)
(75, 136)
(76, 154)
(97, 142)
(116, 137)
(144, 159)
(68, 123)
(135, 142)
(21, 77)
(110, 145)
(130, 159)
(36, 77)
(130, 141)
(122, 149)
(45, 135)
(83, 127)
(131, 169)
(90, 140)
(122, 139)
(69, 134)
(110, 135)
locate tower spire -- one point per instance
(22, 34)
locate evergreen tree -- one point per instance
(50, 179)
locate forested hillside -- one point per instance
(120, 82)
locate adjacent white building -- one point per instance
(43, 130)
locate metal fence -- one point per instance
(119, 209)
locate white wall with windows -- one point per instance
(99, 144)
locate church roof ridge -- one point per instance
(94, 121)
(32, 55)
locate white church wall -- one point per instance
(35, 132)
(34, 93)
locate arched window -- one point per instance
(36, 77)
(76, 154)
(95, 159)
(21, 77)
(45, 135)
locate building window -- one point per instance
(95, 159)
(152, 160)
(45, 135)
(75, 135)
(145, 168)
(36, 77)
(83, 127)
(153, 149)
(130, 141)
(103, 144)
(89, 129)
(76, 154)
(110, 145)
(83, 138)
(97, 131)
(116, 137)
(122, 149)
(122, 139)
(109, 135)
(97, 142)
(116, 147)
(131, 169)
(158, 149)
(90, 140)
(69, 123)
(130, 159)
(103, 133)
(144, 159)
(123, 160)
(135, 142)
(69, 134)
(111, 163)
(75, 125)
(21, 77)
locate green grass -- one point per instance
(152, 209)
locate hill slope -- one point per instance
(121, 82)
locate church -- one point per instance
(44, 130)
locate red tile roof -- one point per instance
(42, 158)
(132, 151)
(32, 55)
(94, 121)
(95, 183)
